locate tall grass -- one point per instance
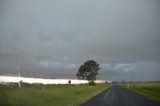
(48, 95)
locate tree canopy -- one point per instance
(88, 71)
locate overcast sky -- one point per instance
(52, 38)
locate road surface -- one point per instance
(118, 96)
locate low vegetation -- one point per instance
(151, 90)
(48, 95)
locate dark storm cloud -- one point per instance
(57, 36)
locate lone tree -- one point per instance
(88, 71)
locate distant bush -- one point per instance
(69, 82)
(92, 83)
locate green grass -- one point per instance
(48, 95)
(150, 90)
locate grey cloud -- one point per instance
(118, 34)
(140, 71)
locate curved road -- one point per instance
(118, 96)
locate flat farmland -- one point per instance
(48, 95)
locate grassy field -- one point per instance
(151, 90)
(48, 95)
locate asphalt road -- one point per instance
(118, 96)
